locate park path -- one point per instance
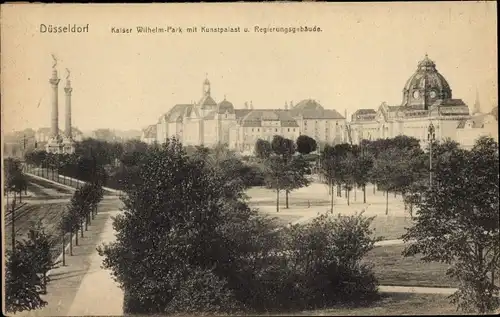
(99, 294)
(416, 290)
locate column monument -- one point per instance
(68, 143)
(54, 144)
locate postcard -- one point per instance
(250, 158)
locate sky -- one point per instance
(363, 57)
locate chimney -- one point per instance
(286, 105)
(291, 104)
(251, 105)
(246, 105)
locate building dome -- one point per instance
(426, 85)
(225, 106)
(308, 104)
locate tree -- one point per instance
(168, 233)
(262, 149)
(295, 175)
(78, 210)
(363, 168)
(347, 171)
(65, 226)
(21, 282)
(457, 223)
(279, 169)
(305, 144)
(329, 164)
(39, 245)
(15, 179)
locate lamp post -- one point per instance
(431, 136)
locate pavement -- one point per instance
(98, 285)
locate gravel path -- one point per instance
(99, 294)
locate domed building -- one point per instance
(208, 123)
(427, 98)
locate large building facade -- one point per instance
(208, 122)
(427, 98)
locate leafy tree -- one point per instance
(282, 146)
(275, 176)
(78, 209)
(305, 144)
(295, 175)
(182, 218)
(21, 282)
(281, 172)
(347, 172)
(362, 170)
(329, 163)
(382, 172)
(457, 223)
(15, 180)
(65, 225)
(38, 246)
(262, 149)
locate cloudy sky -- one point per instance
(363, 56)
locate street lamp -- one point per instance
(431, 136)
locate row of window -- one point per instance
(316, 122)
(270, 130)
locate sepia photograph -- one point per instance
(250, 159)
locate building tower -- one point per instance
(477, 105)
(206, 87)
(69, 146)
(54, 143)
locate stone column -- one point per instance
(54, 128)
(68, 91)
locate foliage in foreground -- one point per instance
(187, 242)
(458, 223)
(22, 283)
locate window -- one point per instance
(258, 130)
(288, 129)
(293, 130)
(276, 130)
(252, 129)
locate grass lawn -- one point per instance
(49, 215)
(283, 220)
(391, 268)
(390, 227)
(390, 304)
(49, 185)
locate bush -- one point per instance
(203, 292)
(255, 175)
(324, 259)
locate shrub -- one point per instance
(203, 292)
(325, 256)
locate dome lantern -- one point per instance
(425, 86)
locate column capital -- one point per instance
(54, 81)
(68, 90)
